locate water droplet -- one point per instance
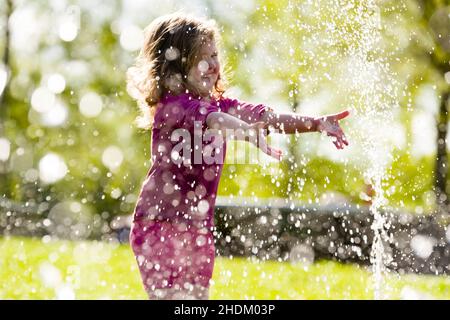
(200, 240)
(423, 245)
(203, 66)
(203, 206)
(172, 54)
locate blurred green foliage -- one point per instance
(270, 48)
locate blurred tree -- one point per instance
(5, 60)
(4, 90)
(435, 19)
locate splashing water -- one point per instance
(352, 33)
(379, 257)
(376, 103)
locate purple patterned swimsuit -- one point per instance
(172, 231)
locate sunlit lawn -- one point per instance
(31, 269)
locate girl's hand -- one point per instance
(260, 129)
(330, 125)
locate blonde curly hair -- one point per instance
(171, 46)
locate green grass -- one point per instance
(32, 269)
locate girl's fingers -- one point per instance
(344, 139)
(265, 147)
(278, 152)
(339, 141)
(275, 153)
(339, 135)
(334, 130)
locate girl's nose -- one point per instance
(212, 65)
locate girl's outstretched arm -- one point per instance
(293, 123)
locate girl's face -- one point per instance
(205, 71)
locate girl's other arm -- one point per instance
(223, 121)
(293, 123)
(241, 130)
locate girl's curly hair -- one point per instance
(171, 46)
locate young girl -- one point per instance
(177, 81)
